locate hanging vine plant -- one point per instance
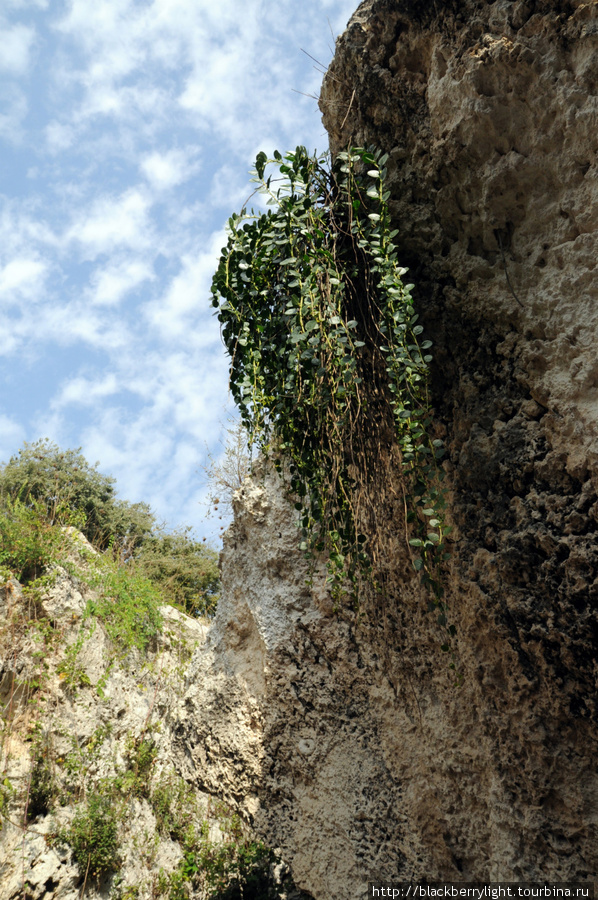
(328, 364)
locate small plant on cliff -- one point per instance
(28, 543)
(93, 836)
(328, 364)
(128, 604)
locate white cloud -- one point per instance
(112, 283)
(73, 323)
(23, 232)
(86, 392)
(183, 314)
(17, 41)
(59, 137)
(111, 223)
(166, 170)
(22, 278)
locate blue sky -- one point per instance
(127, 131)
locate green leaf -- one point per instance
(260, 164)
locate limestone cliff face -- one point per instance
(72, 718)
(343, 736)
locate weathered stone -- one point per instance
(79, 726)
(345, 736)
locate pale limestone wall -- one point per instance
(82, 730)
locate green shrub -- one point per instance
(28, 543)
(69, 668)
(141, 756)
(175, 806)
(6, 795)
(93, 837)
(44, 487)
(128, 605)
(185, 571)
(236, 868)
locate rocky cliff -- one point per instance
(81, 718)
(91, 802)
(343, 735)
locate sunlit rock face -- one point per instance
(342, 735)
(65, 730)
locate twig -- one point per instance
(25, 811)
(497, 232)
(323, 68)
(303, 94)
(27, 828)
(348, 111)
(85, 880)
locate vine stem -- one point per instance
(325, 355)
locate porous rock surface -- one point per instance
(341, 735)
(76, 725)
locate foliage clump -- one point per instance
(41, 783)
(185, 570)
(28, 542)
(140, 566)
(93, 836)
(64, 483)
(328, 364)
(233, 867)
(141, 757)
(128, 604)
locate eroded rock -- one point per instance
(347, 741)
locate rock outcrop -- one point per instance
(92, 802)
(343, 736)
(75, 716)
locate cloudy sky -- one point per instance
(127, 131)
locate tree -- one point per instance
(226, 475)
(64, 482)
(44, 486)
(185, 571)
